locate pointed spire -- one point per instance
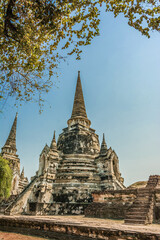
(11, 140)
(54, 136)
(103, 146)
(79, 110)
(53, 143)
(104, 141)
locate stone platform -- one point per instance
(78, 227)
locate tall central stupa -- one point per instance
(72, 169)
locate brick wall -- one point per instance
(111, 204)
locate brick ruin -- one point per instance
(70, 170)
(64, 228)
(135, 206)
(77, 176)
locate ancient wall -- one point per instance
(66, 208)
(129, 204)
(111, 204)
(71, 231)
(157, 206)
(19, 206)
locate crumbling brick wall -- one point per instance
(111, 204)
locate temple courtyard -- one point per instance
(77, 176)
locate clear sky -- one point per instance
(120, 74)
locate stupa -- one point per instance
(72, 169)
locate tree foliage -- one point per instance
(32, 30)
(5, 178)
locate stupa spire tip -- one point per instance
(103, 145)
(54, 135)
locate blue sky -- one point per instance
(120, 74)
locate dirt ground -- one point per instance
(16, 236)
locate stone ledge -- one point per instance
(84, 228)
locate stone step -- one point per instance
(135, 217)
(77, 166)
(65, 171)
(83, 174)
(135, 221)
(145, 191)
(143, 200)
(140, 201)
(144, 197)
(140, 205)
(78, 161)
(137, 211)
(75, 163)
(68, 171)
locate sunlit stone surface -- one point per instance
(70, 170)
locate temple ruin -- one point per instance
(9, 152)
(71, 169)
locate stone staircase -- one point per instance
(11, 205)
(5, 203)
(141, 211)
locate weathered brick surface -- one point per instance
(136, 206)
(111, 204)
(70, 230)
(72, 169)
